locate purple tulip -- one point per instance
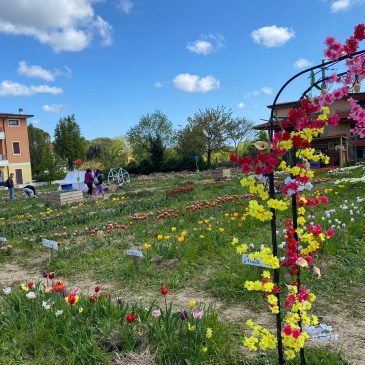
(184, 315)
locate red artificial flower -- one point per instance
(51, 275)
(131, 318)
(294, 271)
(233, 158)
(296, 333)
(97, 289)
(287, 330)
(330, 232)
(309, 259)
(164, 290)
(276, 289)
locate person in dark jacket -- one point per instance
(99, 184)
(88, 180)
(9, 183)
(29, 191)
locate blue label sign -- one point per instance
(53, 245)
(197, 158)
(247, 261)
(134, 253)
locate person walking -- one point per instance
(88, 180)
(99, 184)
(9, 183)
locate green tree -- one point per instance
(52, 168)
(212, 126)
(157, 152)
(69, 144)
(151, 127)
(39, 148)
(239, 130)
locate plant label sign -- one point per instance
(247, 261)
(53, 245)
(3, 241)
(134, 253)
(136, 256)
(325, 337)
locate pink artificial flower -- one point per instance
(324, 199)
(330, 41)
(333, 120)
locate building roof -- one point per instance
(290, 104)
(11, 115)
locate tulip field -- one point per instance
(184, 301)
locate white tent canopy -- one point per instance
(76, 178)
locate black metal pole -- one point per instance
(276, 271)
(295, 226)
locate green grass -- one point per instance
(209, 264)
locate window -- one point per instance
(16, 148)
(13, 123)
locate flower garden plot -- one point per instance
(205, 255)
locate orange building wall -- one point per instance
(16, 134)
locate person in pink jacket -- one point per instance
(89, 179)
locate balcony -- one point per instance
(3, 160)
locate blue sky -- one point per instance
(108, 62)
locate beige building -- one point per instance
(14, 147)
(336, 141)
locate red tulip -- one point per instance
(71, 299)
(164, 290)
(93, 298)
(97, 289)
(51, 275)
(30, 284)
(131, 318)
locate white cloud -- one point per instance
(158, 84)
(266, 90)
(302, 63)
(272, 36)
(53, 108)
(195, 83)
(241, 105)
(125, 6)
(35, 121)
(36, 71)
(206, 45)
(11, 88)
(341, 5)
(72, 29)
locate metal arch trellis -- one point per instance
(119, 176)
(322, 65)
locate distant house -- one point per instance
(14, 147)
(336, 142)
